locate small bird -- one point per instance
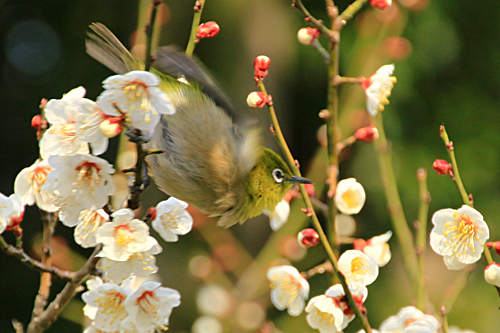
(213, 159)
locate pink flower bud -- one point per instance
(310, 189)
(36, 122)
(307, 36)
(111, 127)
(308, 238)
(256, 99)
(367, 134)
(359, 244)
(381, 4)
(208, 29)
(442, 167)
(262, 63)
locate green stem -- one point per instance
(456, 175)
(422, 235)
(398, 218)
(149, 34)
(194, 29)
(316, 23)
(352, 9)
(312, 214)
(446, 329)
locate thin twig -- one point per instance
(421, 230)
(42, 322)
(352, 9)
(320, 269)
(312, 214)
(32, 263)
(149, 34)
(402, 231)
(340, 80)
(446, 329)
(316, 23)
(194, 28)
(49, 221)
(135, 198)
(346, 143)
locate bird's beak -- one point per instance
(299, 180)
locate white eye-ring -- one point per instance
(278, 175)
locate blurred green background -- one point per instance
(447, 57)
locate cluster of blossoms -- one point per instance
(71, 180)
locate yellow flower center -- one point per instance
(463, 231)
(148, 302)
(288, 284)
(328, 318)
(88, 175)
(139, 100)
(350, 199)
(38, 177)
(111, 302)
(358, 266)
(123, 234)
(169, 221)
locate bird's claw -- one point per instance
(136, 136)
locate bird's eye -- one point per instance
(278, 175)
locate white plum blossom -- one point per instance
(150, 306)
(140, 264)
(359, 293)
(408, 316)
(124, 236)
(459, 236)
(28, 185)
(137, 95)
(128, 326)
(289, 290)
(92, 284)
(376, 248)
(378, 88)
(279, 215)
(350, 196)
(73, 122)
(172, 219)
(109, 299)
(373, 331)
(324, 315)
(358, 267)
(11, 208)
(82, 182)
(492, 274)
(88, 223)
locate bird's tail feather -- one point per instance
(103, 46)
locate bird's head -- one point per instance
(270, 179)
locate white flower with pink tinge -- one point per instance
(74, 123)
(82, 182)
(172, 219)
(151, 305)
(124, 236)
(459, 236)
(28, 185)
(289, 289)
(410, 319)
(376, 248)
(11, 208)
(378, 88)
(137, 95)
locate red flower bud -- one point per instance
(208, 29)
(256, 100)
(442, 167)
(381, 4)
(307, 36)
(495, 245)
(36, 122)
(308, 238)
(151, 213)
(262, 63)
(367, 134)
(111, 126)
(359, 244)
(15, 222)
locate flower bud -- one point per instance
(492, 274)
(367, 134)
(262, 63)
(308, 238)
(307, 36)
(381, 4)
(111, 127)
(256, 99)
(151, 213)
(36, 122)
(442, 167)
(495, 245)
(208, 29)
(310, 189)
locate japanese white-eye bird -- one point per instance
(213, 159)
